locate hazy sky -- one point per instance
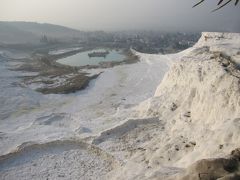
(124, 14)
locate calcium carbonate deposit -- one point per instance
(149, 120)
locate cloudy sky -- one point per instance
(174, 15)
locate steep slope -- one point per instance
(198, 107)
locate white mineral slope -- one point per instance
(40, 134)
(193, 114)
(198, 107)
(28, 116)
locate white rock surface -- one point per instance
(198, 103)
(30, 117)
(153, 132)
(68, 159)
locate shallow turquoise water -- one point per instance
(82, 59)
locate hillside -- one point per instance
(11, 34)
(31, 32)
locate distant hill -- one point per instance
(31, 32)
